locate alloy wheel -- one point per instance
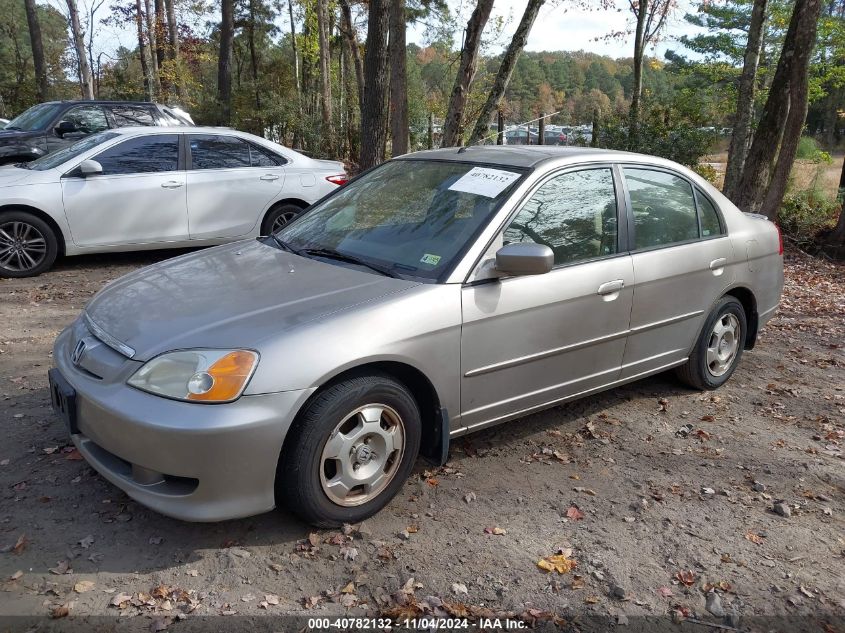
(723, 344)
(282, 220)
(362, 455)
(22, 246)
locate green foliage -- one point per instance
(706, 171)
(808, 149)
(660, 135)
(804, 214)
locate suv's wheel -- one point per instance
(350, 451)
(278, 216)
(28, 245)
(719, 347)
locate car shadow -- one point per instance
(130, 259)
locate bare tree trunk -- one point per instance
(466, 73)
(837, 236)
(152, 46)
(258, 127)
(503, 76)
(637, 90)
(374, 102)
(85, 81)
(325, 76)
(142, 50)
(763, 181)
(741, 137)
(399, 126)
(297, 133)
(172, 29)
(224, 63)
(160, 32)
(348, 30)
(353, 108)
(41, 86)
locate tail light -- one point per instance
(339, 179)
(780, 240)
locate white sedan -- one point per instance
(147, 188)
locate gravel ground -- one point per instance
(659, 502)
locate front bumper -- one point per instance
(190, 461)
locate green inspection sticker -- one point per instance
(430, 259)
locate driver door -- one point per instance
(532, 340)
(139, 198)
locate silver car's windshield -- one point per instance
(412, 217)
(65, 154)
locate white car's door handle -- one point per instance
(718, 263)
(611, 287)
(172, 184)
(270, 177)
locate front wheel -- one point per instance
(350, 451)
(279, 216)
(28, 245)
(719, 347)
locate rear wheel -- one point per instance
(719, 347)
(350, 451)
(28, 245)
(278, 217)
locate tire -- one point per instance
(719, 347)
(28, 246)
(306, 479)
(278, 216)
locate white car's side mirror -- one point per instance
(90, 168)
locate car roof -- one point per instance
(527, 156)
(100, 102)
(175, 129)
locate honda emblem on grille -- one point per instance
(78, 351)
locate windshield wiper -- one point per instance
(12, 127)
(284, 245)
(330, 253)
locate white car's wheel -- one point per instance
(28, 245)
(279, 216)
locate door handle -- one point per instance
(269, 177)
(172, 184)
(610, 287)
(718, 264)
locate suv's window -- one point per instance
(127, 115)
(574, 214)
(218, 152)
(663, 207)
(87, 119)
(144, 154)
(36, 118)
(264, 158)
(709, 218)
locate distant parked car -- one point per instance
(47, 127)
(148, 188)
(554, 137)
(520, 137)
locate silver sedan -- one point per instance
(441, 293)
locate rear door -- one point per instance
(531, 340)
(681, 258)
(138, 199)
(231, 184)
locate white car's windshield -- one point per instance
(67, 153)
(410, 217)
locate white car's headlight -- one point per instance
(198, 375)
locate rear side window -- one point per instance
(219, 152)
(710, 224)
(574, 214)
(144, 154)
(261, 157)
(663, 208)
(125, 116)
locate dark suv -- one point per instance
(46, 127)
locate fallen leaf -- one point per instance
(431, 481)
(754, 537)
(60, 611)
(665, 592)
(271, 598)
(193, 573)
(62, 567)
(19, 546)
(156, 540)
(469, 497)
(459, 588)
(574, 513)
(83, 585)
(686, 577)
(586, 491)
(16, 575)
(87, 542)
(559, 563)
(412, 529)
(349, 553)
(350, 588)
(74, 456)
(495, 530)
(591, 599)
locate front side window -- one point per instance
(574, 214)
(70, 152)
(87, 119)
(218, 152)
(413, 216)
(144, 154)
(663, 208)
(710, 225)
(126, 116)
(35, 118)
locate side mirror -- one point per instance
(90, 168)
(65, 127)
(524, 258)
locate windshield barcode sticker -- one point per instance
(484, 181)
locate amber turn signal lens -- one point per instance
(229, 375)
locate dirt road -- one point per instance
(668, 500)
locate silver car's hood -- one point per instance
(230, 296)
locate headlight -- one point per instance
(199, 375)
